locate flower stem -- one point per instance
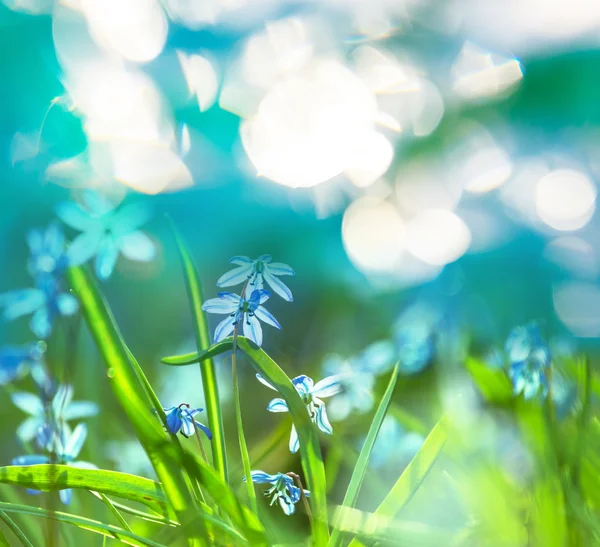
(304, 498)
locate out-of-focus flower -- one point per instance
(247, 310)
(310, 394)
(65, 451)
(282, 490)
(529, 359)
(378, 357)
(394, 444)
(59, 410)
(106, 232)
(414, 337)
(356, 387)
(45, 302)
(47, 252)
(181, 419)
(256, 272)
(15, 361)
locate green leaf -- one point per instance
(57, 477)
(84, 523)
(310, 449)
(360, 468)
(207, 368)
(493, 384)
(15, 530)
(411, 479)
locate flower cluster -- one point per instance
(282, 490)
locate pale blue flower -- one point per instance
(16, 361)
(414, 336)
(106, 232)
(246, 310)
(45, 302)
(356, 386)
(378, 357)
(41, 411)
(394, 445)
(47, 252)
(529, 359)
(181, 419)
(64, 450)
(283, 490)
(311, 395)
(257, 272)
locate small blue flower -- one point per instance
(529, 359)
(378, 357)
(65, 451)
(106, 232)
(283, 490)
(61, 409)
(257, 272)
(47, 252)
(309, 393)
(356, 386)
(16, 361)
(181, 419)
(247, 310)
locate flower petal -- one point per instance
(278, 286)
(327, 386)
(257, 297)
(66, 495)
(294, 441)
(106, 259)
(235, 276)
(277, 405)
(264, 382)
(287, 505)
(267, 317)
(62, 399)
(207, 431)
(252, 329)
(41, 323)
(83, 465)
(187, 426)
(21, 302)
(96, 203)
(84, 246)
(240, 260)
(137, 246)
(28, 429)
(303, 384)
(264, 258)
(225, 327)
(67, 304)
(321, 418)
(75, 442)
(279, 268)
(129, 218)
(28, 402)
(174, 422)
(260, 477)
(30, 459)
(220, 305)
(74, 216)
(80, 409)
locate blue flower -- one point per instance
(181, 418)
(257, 272)
(283, 490)
(309, 393)
(356, 384)
(106, 232)
(41, 411)
(64, 450)
(15, 361)
(378, 357)
(414, 338)
(529, 359)
(247, 310)
(47, 252)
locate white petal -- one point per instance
(327, 386)
(235, 276)
(266, 316)
(225, 328)
(294, 441)
(138, 246)
(252, 329)
(263, 381)
(278, 286)
(84, 247)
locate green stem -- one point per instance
(115, 512)
(15, 529)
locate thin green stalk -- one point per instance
(584, 420)
(15, 529)
(299, 484)
(116, 513)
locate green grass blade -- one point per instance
(207, 368)
(57, 477)
(81, 522)
(163, 451)
(150, 517)
(412, 478)
(15, 530)
(120, 518)
(360, 468)
(493, 384)
(310, 449)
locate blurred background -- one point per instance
(428, 168)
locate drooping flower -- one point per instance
(246, 310)
(47, 252)
(529, 359)
(16, 361)
(64, 450)
(257, 272)
(106, 232)
(60, 409)
(283, 490)
(181, 419)
(310, 393)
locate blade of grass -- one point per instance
(360, 469)
(310, 449)
(411, 479)
(207, 368)
(116, 513)
(81, 522)
(15, 530)
(150, 517)
(57, 477)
